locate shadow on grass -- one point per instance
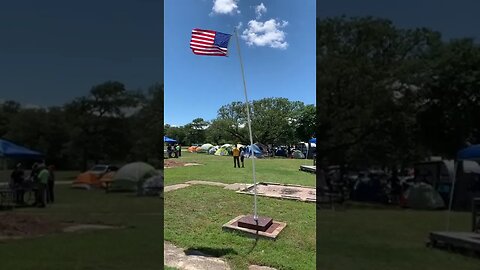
(210, 252)
(254, 244)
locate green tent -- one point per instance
(423, 196)
(221, 152)
(132, 176)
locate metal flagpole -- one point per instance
(255, 217)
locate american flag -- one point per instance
(209, 42)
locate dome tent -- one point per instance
(132, 176)
(212, 150)
(153, 185)
(204, 148)
(297, 154)
(224, 150)
(423, 196)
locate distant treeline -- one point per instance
(110, 124)
(276, 121)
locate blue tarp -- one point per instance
(471, 152)
(168, 140)
(256, 151)
(11, 150)
(313, 140)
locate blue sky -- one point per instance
(53, 51)
(197, 86)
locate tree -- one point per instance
(7, 110)
(195, 132)
(274, 121)
(147, 126)
(450, 110)
(305, 124)
(96, 122)
(363, 64)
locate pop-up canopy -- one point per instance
(313, 140)
(168, 140)
(11, 150)
(469, 153)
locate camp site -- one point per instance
(107, 182)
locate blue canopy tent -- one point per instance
(469, 153)
(168, 140)
(313, 140)
(10, 150)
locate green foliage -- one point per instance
(276, 121)
(391, 96)
(110, 124)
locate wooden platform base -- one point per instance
(272, 231)
(466, 241)
(310, 169)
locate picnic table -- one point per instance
(7, 197)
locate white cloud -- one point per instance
(267, 33)
(225, 7)
(239, 25)
(259, 10)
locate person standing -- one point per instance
(179, 150)
(236, 157)
(42, 183)
(17, 178)
(51, 184)
(242, 155)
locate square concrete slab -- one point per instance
(282, 191)
(271, 233)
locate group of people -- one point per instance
(174, 151)
(41, 180)
(238, 156)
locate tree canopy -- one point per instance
(390, 96)
(276, 121)
(110, 124)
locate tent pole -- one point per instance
(452, 193)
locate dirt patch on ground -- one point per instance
(171, 163)
(84, 227)
(18, 226)
(22, 225)
(275, 190)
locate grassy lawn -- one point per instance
(387, 239)
(60, 175)
(362, 237)
(194, 217)
(136, 247)
(220, 169)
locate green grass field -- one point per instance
(356, 238)
(194, 216)
(220, 169)
(136, 247)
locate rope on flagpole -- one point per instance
(255, 217)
